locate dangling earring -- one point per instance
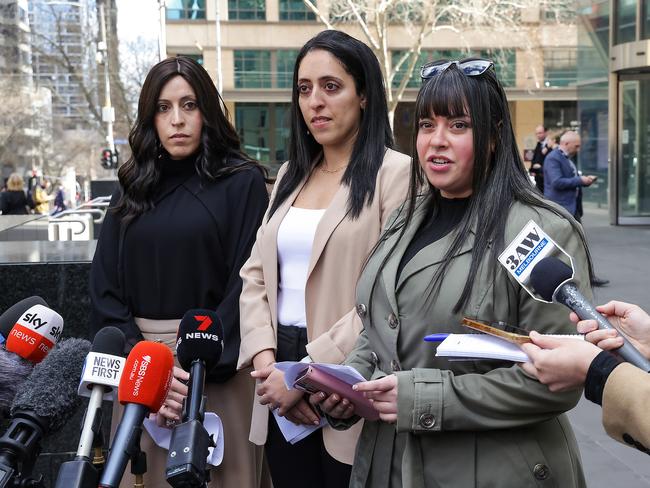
(159, 149)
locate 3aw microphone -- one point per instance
(35, 333)
(551, 278)
(10, 316)
(46, 400)
(198, 348)
(143, 388)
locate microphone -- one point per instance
(13, 371)
(35, 333)
(10, 316)
(100, 377)
(143, 388)
(551, 278)
(199, 346)
(46, 400)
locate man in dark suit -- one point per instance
(539, 154)
(562, 182)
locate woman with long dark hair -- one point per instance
(468, 423)
(327, 209)
(178, 231)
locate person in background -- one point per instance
(41, 197)
(459, 423)
(13, 201)
(59, 200)
(177, 232)
(622, 389)
(327, 209)
(539, 154)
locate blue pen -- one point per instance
(436, 337)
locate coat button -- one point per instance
(541, 471)
(361, 310)
(374, 358)
(393, 321)
(394, 365)
(427, 420)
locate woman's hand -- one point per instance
(333, 405)
(172, 408)
(382, 393)
(560, 364)
(273, 392)
(302, 413)
(630, 319)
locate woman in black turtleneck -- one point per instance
(13, 201)
(179, 229)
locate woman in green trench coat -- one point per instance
(481, 423)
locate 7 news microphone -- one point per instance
(99, 379)
(143, 387)
(198, 349)
(46, 400)
(551, 278)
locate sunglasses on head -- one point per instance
(470, 67)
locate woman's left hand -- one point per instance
(273, 391)
(172, 408)
(383, 395)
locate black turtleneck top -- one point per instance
(183, 254)
(434, 227)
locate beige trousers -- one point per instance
(243, 463)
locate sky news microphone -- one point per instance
(45, 402)
(551, 278)
(198, 348)
(35, 333)
(10, 316)
(143, 388)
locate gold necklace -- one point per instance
(330, 171)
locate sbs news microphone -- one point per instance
(99, 380)
(35, 333)
(143, 388)
(551, 278)
(10, 316)
(46, 400)
(198, 348)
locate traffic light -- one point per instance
(110, 159)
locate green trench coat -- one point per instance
(481, 423)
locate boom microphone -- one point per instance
(35, 333)
(46, 400)
(13, 371)
(143, 388)
(551, 278)
(198, 349)
(10, 316)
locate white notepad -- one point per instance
(483, 346)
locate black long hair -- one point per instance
(499, 177)
(219, 152)
(374, 134)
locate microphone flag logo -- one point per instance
(204, 322)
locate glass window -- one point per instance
(624, 21)
(560, 67)
(285, 59)
(264, 131)
(246, 10)
(253, 69)
(295, 10)
(645, 16)
(185, 9)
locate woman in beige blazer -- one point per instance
(327, 209)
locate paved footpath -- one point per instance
(622, 255)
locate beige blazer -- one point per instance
(625, 406)
(340, 248)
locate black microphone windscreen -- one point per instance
(200, 336)
(13, 372)
(547, 275)
(50, 391)
(109, 340)
(10, 316)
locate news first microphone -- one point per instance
(198, 348)
(552, 279)
(46, 400)
(10, 316)
(143, 388)
(35, 333)
(99, 380)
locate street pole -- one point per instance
(162, 36)
(219, 68)
(108, 112)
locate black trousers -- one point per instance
(305, 463)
